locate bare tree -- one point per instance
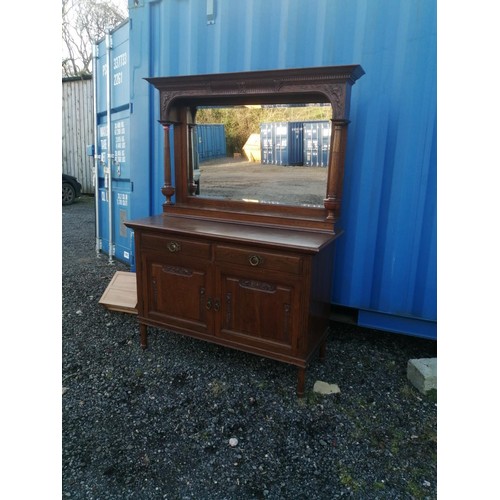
(83, 23)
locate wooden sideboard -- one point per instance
(256, 289)
(255, 277)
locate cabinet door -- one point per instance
(178, 291)
(257, 308)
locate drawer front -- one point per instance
(256, 259)
(170, 244)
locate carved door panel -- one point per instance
(258, 309)
(178, 291)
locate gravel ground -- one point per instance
(241, 179)
(158, 423)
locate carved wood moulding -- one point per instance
(319, 84)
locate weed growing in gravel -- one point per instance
(347, 480)
(217, 387)
(417, 491)
(310, 398)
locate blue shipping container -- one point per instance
(267, 131)
(288, 143)
(317, 135)
(211, 141)
(385, 266)
(126, 185)
(112, 125)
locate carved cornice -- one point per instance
(322, 84)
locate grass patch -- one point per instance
(348, 481)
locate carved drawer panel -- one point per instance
(257, 259)
(171, 245)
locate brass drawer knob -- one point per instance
(255, 260)
(173, 246)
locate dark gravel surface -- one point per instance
(157, 424)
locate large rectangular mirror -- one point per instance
(276, 154)
(277, 108)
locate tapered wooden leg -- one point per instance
(322, 351)
(301, 382)
(144, 335)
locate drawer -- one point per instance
(170, 244)
(257, 259)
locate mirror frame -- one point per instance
(181, 95)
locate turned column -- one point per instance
(192, 159)
(168, 190)
(336, 161)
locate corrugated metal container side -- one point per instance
(77, 130)
(386, 260)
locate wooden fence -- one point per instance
(78, 130)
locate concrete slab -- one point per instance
(422, 373)
(325, 388)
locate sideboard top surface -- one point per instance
(297, 239)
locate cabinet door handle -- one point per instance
(209, 304)
(216, 305)
(255, 260)
(173, 246)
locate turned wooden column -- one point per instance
(168, 190)
(338, 142)
(192, 159)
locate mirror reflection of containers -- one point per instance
(211, 141)
(317, 143)
(289, 143)
(267, 131)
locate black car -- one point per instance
(71, 189)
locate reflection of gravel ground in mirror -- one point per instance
(289, 185)
(161, 423)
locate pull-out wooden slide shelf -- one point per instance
(121, 293)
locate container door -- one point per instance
(315, 138)
(308, 145)
(266, 142)
(325, 143)
(113, 108)
(281, 144)
(295, 143)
